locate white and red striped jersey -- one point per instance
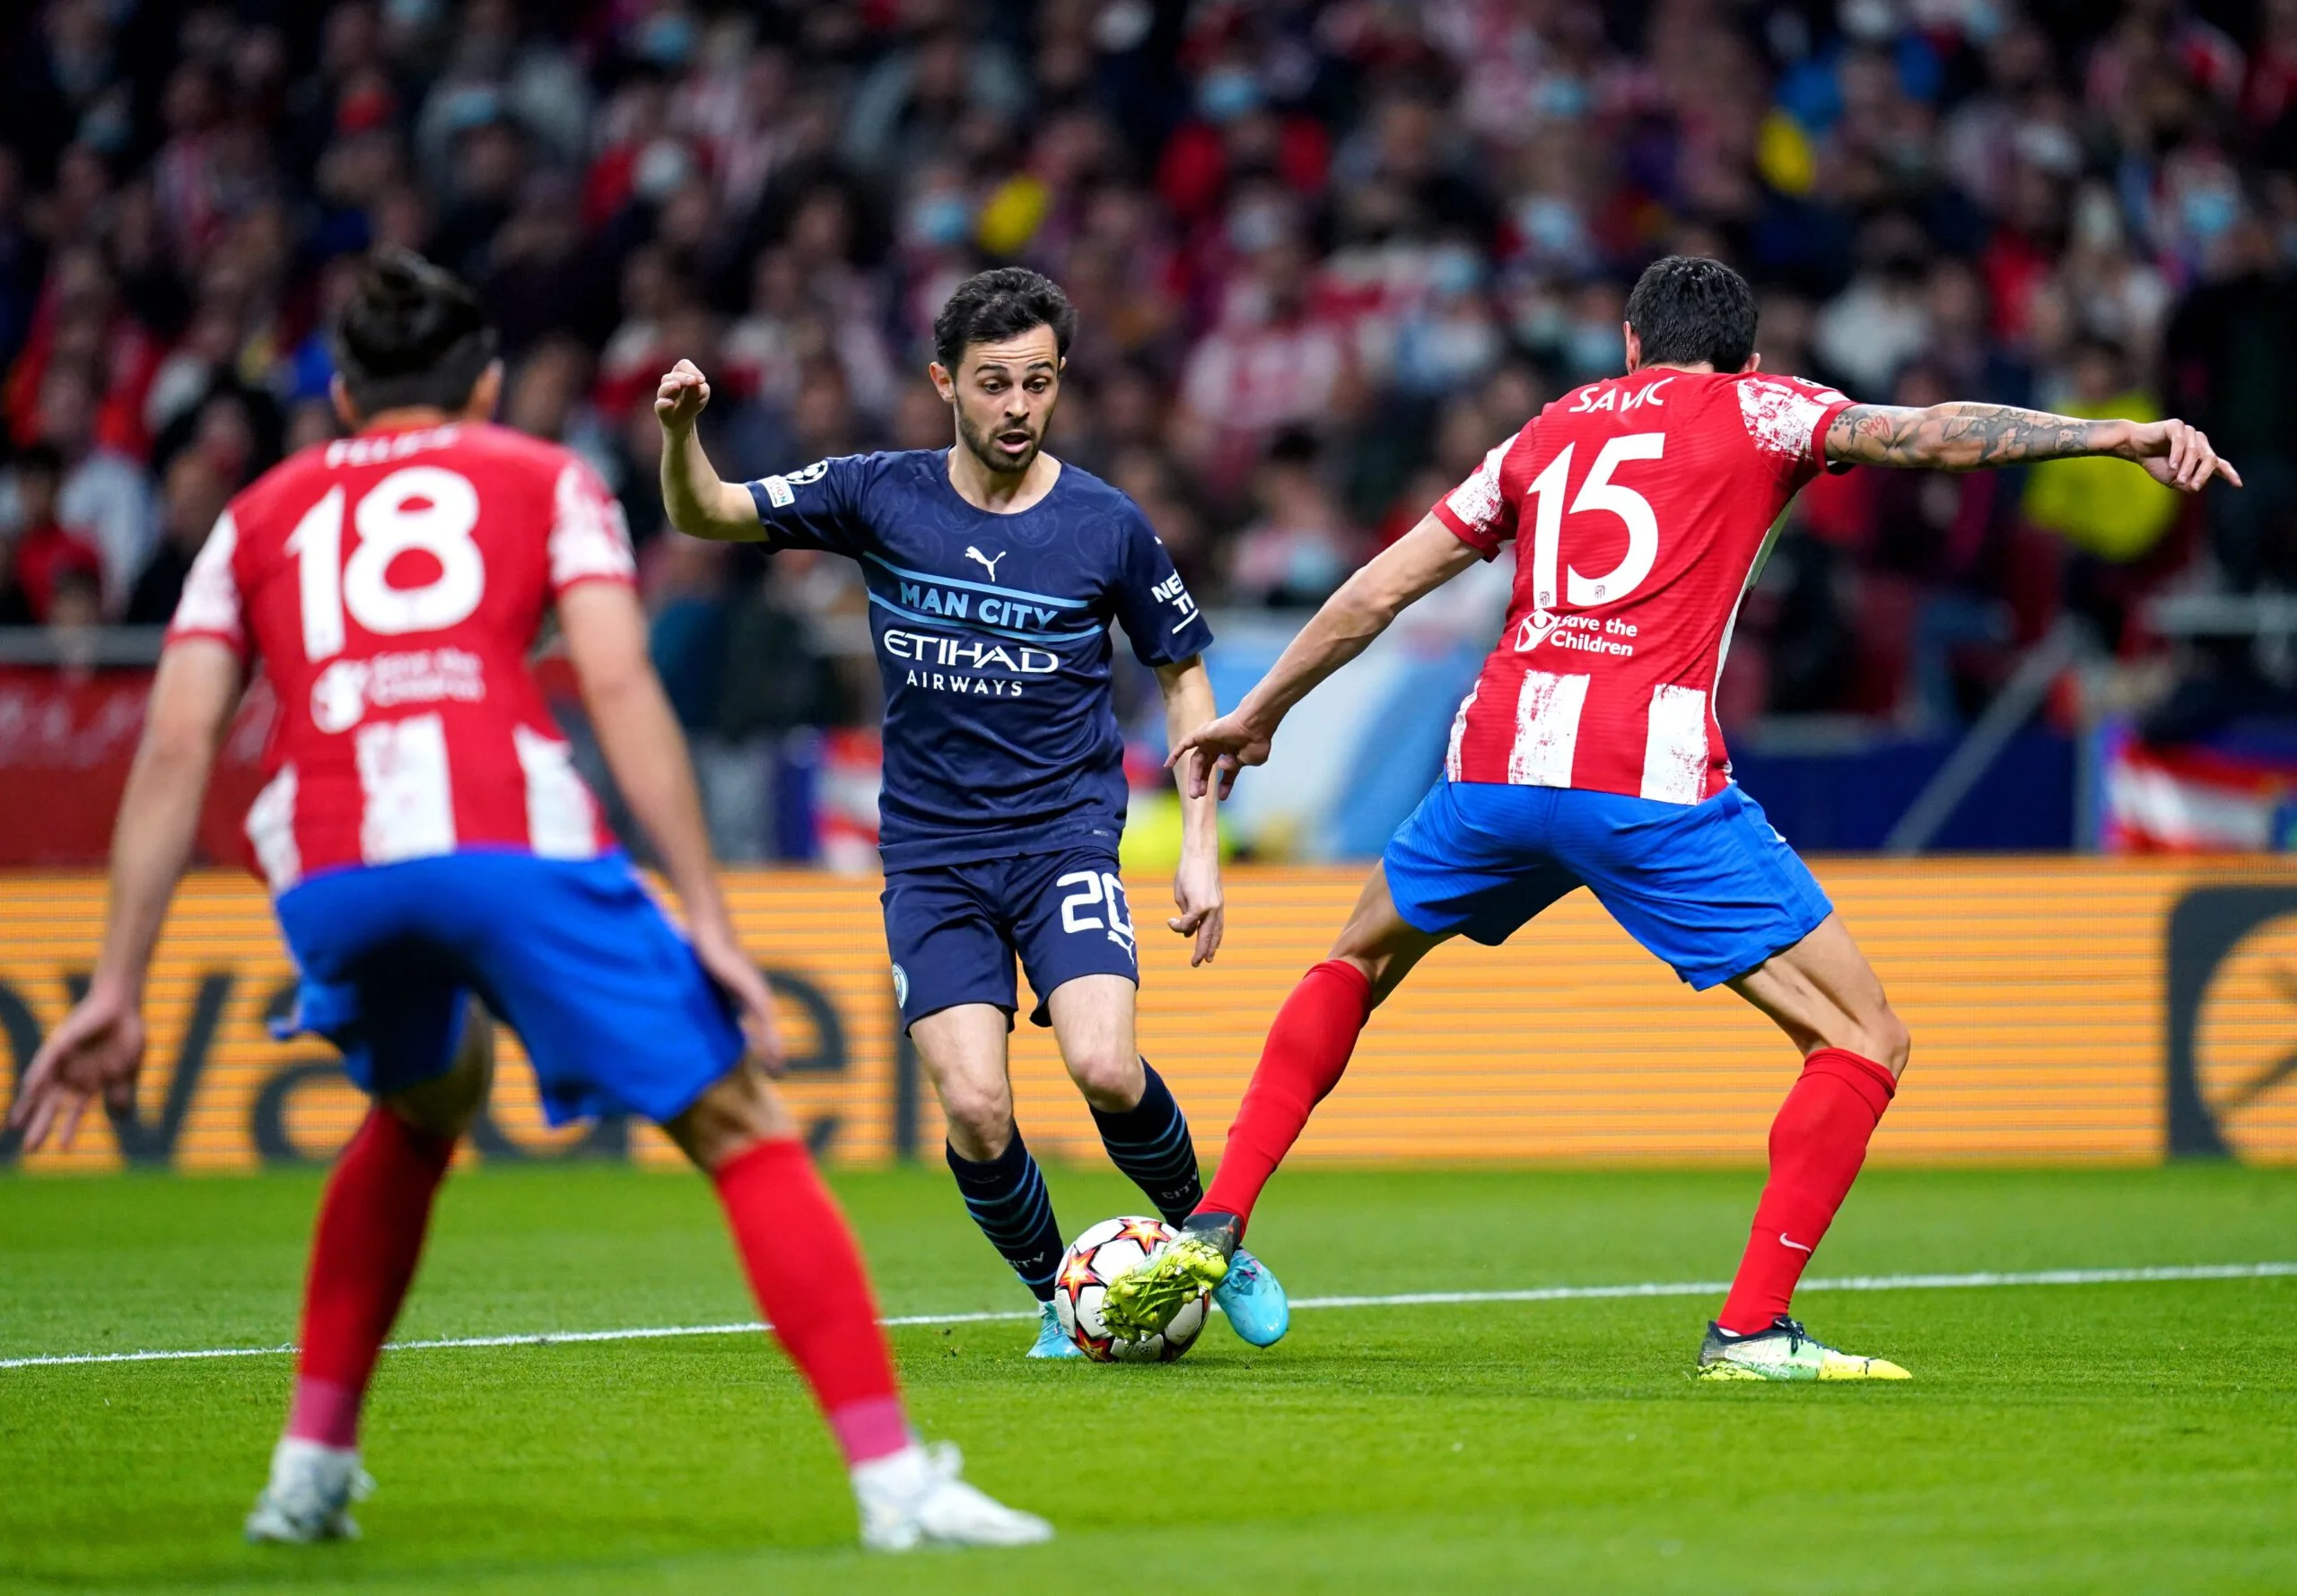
(1650, 497)
(392, 585)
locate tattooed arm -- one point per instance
(1969, 437)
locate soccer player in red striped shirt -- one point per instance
(428, 844)
(1588, 754)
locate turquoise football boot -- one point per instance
(1143, 1300)
(1052, 1341)
(1255, 1304)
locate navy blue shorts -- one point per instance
(954, 931)
(614, 1011)
(1709, 887)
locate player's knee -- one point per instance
(980, 1115)
(1109, 1077)
(738, 1111)
(446, 1104)
(1893, 1042)
(1880, 1035)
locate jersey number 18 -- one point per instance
(417, 507)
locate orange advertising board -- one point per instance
(2063, 1010)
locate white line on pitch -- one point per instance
(1409, 1299)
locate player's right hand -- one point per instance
(1226, 745)
(97, 1052)
(740, 979)
(2177, 455)
(683, 394)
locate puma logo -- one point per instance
(987, 563)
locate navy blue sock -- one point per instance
(1007, 1200)
(1150, 1143)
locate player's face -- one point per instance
(1004, 394)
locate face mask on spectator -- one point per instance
(1254, 227)
(661, 170)
(666, 39)
(937, 220)
(1551, 227)
(2209, 211)
(1227, 93)
(1454, 272)
(1560, 98)
(1313, 567)
(108, 125)
(1592, 348)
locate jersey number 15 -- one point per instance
(1600, 494)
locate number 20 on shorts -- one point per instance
(1098, 891)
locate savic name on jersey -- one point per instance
(993, 635)
(1649, 498)
(391, 585)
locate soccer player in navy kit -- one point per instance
(994, 571)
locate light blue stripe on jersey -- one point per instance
(967, 623)
(951, 581)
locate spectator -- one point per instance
(74, 619)
(2233, 373)
(1275, 360)
(2110, 522)
(1299, 548)
(104, 495)
(44, 554)
(197, 493)
(1381, 234)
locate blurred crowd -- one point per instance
(1324, 255)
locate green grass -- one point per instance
(2134, 1438)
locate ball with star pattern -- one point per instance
(1099, 1256)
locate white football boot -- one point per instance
(310, 1494)
(915, 1498)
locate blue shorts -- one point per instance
(1709, 887)
(614, 1011)
(954, 931)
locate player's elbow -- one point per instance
(616, 689)
(1372, 599)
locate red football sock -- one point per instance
(1817, 1144)
(370, 1235)
(807, 1273)
(1305, 1054)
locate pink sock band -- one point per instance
(324, 1412)
(871, 1428)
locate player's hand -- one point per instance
(1196, 891)
(682, 396)
(740, 979)
(96, 1052)
(2177, 455)
(1226, 745)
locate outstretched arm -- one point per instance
(1407, 571)
(1966, 436)
(698, 504)
(98, 1049)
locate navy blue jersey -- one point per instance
(993, 636)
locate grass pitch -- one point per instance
(2138, 1436)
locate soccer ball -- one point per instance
(1100, 1255)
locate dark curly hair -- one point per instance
(1005, 303)
(1687, 309)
